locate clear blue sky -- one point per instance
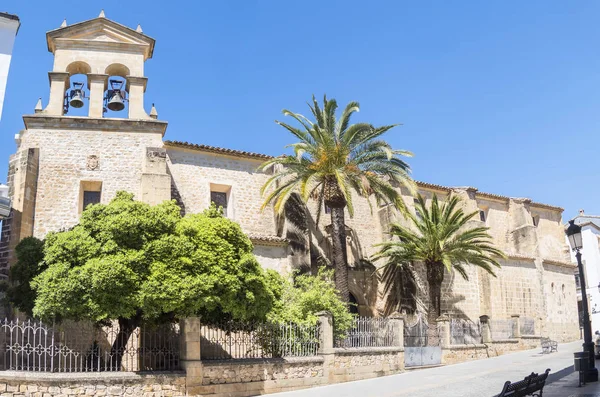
(503, 96)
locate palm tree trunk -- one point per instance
(435, 277)
(340, 258)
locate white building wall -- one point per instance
(590, 256)
(8, 32)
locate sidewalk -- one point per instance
(567, 387)
(480, 378)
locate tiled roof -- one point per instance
(426, 185)
(263, 239)
(219, 150)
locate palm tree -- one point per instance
(333, 159)
(441, 240)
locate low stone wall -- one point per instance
(14, 384)
(454, 354)
(354, 364)
(252, 377)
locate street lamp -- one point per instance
(574, 235)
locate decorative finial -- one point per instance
(581, 212)
(139, 29)
(102, 14)
(64, 23)
(153, 112)
(38, 106)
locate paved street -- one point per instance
(481, 378)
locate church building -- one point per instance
(74, 151)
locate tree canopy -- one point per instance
(332, 159)
(129, 260)
(441, 239)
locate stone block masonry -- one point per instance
(27, 384)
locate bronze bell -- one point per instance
(76, 98)
(115, 101)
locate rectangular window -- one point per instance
(90, 197)
(220, 200)
(90, 192)
(536, 220)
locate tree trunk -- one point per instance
(340, 259)
(435, 277)
(117, 351)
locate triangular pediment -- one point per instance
(97, 31)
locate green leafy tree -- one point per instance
(131, 262)
(333, 159)
(307, 295)
(30, 256)
(439, 238)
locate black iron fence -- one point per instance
(242, 340)
(85, 347)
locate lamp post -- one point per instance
(575, 241)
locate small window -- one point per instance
(482, 217)
(90, 197)
(220, 200)
(536, 220)
(90, 192)
(417, 213)
(327, 209)
(552, 287)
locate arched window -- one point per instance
(353, 304)
(77, 93)
(116, 103)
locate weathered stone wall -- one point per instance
(273, 257)
(561, 303)
(64, 165)
(194, 172)
(454, 354)
(15, 384)
(355, 364)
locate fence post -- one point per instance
(516, 325)
(326, 343)
(443, 323)
(190, 353)
(326, 336)
(397, 320)
(486, 334)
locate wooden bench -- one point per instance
(532, 385)
(548, 345)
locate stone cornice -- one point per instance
(559, 263)
(521, 257)
(74, 36)
(41, 121)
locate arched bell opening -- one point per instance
(116, 96)
(76, 93)
(76, 96)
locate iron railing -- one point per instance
(464, 332)
(501, 329)
(527, 326)
(242, 340)
(370, 332)
(84, 347)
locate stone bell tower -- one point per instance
(92, 139)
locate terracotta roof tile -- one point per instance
(267, 239)
(426, 185)
(219, 150)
